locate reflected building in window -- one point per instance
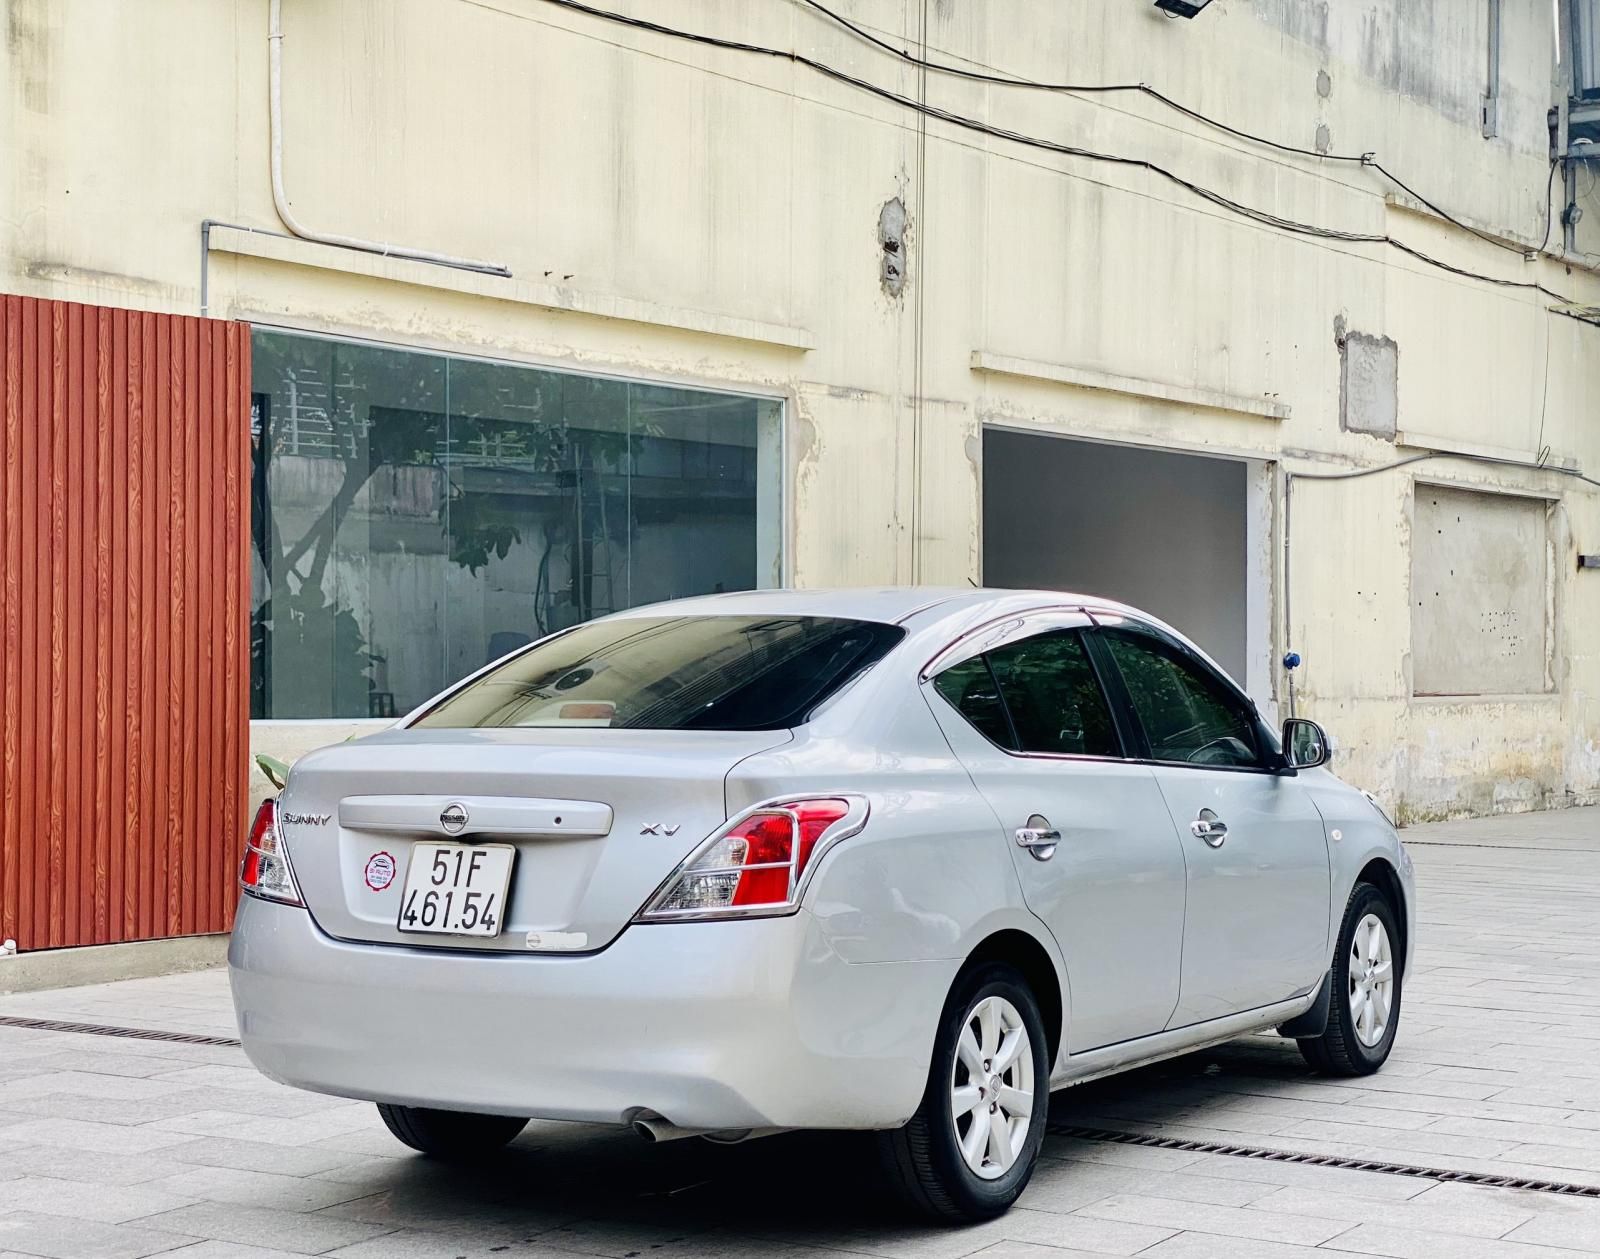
(416, 515)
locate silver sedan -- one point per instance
(899, 860)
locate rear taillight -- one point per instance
(759, 862)
(265, 871)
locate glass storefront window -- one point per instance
(416, 515)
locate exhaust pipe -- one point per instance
(655, 1129)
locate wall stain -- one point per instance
(28, 46)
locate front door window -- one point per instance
(1188, 715)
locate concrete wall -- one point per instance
(691, 214)
(1161, 531)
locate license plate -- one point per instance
(456, 889)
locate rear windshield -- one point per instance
(673, 673)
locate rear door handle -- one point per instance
(1209, 827)
(1039, 838)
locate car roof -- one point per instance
(888, 604)
(956, 609)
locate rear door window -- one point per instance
(972, 691)
(673, 673)
(1038, 694)
(1054, 697)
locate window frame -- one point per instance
(1269, 757)
(1027, 627)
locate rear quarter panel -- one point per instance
(929, 876)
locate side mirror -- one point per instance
(1305, 744)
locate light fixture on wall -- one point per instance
(1181, 8)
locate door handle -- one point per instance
(1039, 838)
(1209, 827)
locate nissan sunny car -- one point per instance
(899, 860)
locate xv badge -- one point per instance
(660, 828)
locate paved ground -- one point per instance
(113, 1148)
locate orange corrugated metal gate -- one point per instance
(124, 666)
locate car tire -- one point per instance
(1364, 1012)
(929, 1162)
(449, 1134)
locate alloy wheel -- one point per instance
(1371, 980)
(991, 1087)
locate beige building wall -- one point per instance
(691, 214)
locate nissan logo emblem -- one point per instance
(454, 818)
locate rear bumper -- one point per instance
(743, 1024)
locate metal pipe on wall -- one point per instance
(280, 199)
(1491, 95)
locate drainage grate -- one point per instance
(128, 1033)
(1110, 1137)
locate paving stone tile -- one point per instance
(1395, 1140)
(268, 1130)
(730, 1245)
(294, 1231)
(1471, 1212)
(419, 1244)
(66, 1163)
(1202, 1217)
(1205, 1246)
(367, 1172)
(78, 1199)
(82, 1084)
(372, 1142)
(253, 1188)
(57, 1237)
(1558, 1160)
(1113, 1237)
(1030, 1250)
(1519, 1133)
(98, 1062)
(625, 1236)
(1066, 1185)
(1119, 1155)
(217, 1076)
(1374, 1186)
(127, 1114)
(1569, 1223)
(427, 1203)
(1404, 1243)
(256, 1156)
(228, 1250)
(101, 1138)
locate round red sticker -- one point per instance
(380, 871)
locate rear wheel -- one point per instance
(449, 1134)
(969, 1150)
(1365, 1011)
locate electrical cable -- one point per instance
(1264, 217)
(1144, 89)
(1356, 473)
(1549, 188)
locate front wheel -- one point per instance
(449, 1134)
(970, 1148)
(1365, 1011)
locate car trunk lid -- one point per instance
(595, 818)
